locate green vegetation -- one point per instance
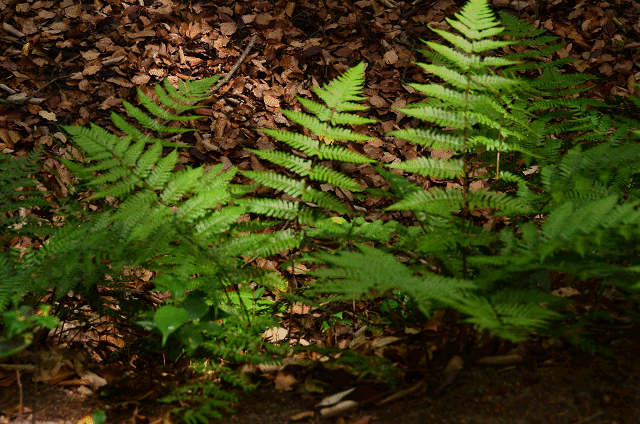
(536, 180)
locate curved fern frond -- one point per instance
(355, 274)
(219, 221)
(277, 181)
(441, 117)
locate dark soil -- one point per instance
(566, 387)
(569, 388)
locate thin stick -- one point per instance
(224, 80)
(233, 70)
(20, 395)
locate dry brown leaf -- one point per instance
(390, 57)
(228, 28)
(285, 381)
(271, 101)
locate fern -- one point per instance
(181, 225)
(480, 111)
(537, 182)
(327, 122)
(20, 194)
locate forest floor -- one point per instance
(560, 386)
(72, 62)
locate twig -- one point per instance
(233, 70)
(20, 394)
(224, 80)
(589, 418)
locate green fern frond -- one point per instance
(169, 96)
(463, 62)
(323, 129)
(295, 164)
(429, 137)
(500, 202)
(20, 193)
(514, 27)
(274, 208)
(277, 181)
(476, 20)
(199, 89)
(428, 167)
(441, 117)
(434, 201)
(162, 171)
(452, 98)
(219, 221)
(400, 185)
(343, 92)
(327, 114)
(13, 283)
(324, 200)
(341, 154)
(567, 220)
(159, 112)
(339, 98)
(150, 123)
(307, 145)
(509, 321)
(320, 173)
(355, 274)
(263, 245)
(182, 183)
(196, 206)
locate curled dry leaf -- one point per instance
(340, 408)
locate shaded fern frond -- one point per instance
(274, 208)
(434, 201)
(262, 245)
(20, 194)
(326, 114)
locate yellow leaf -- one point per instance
(327, 140)
(87, 419)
